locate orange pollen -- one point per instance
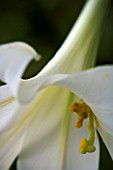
(74, 107)
(83, 143)
(79, 123)
(82, 111)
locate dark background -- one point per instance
(44, 24)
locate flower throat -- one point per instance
(83, 111)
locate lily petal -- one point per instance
(13, 126)
(10, 147)
(43, 139)
(14, 58)
(5, 94)
(7, 107)
(46, 134)
(11, 112)
(107, 138)
(91, 85)
(80, 46)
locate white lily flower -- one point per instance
(35, 123)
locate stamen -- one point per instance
(89, 147)
(83, 111)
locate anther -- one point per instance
(83, 146)
(91, 149)
(82, 111)
(79, 123)
(74, 107)
(83, 143)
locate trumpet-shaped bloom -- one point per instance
(35, 123)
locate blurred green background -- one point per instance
(44, 24)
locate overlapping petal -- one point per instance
(14, 58)
(91, 85)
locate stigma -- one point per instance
(83, 112)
